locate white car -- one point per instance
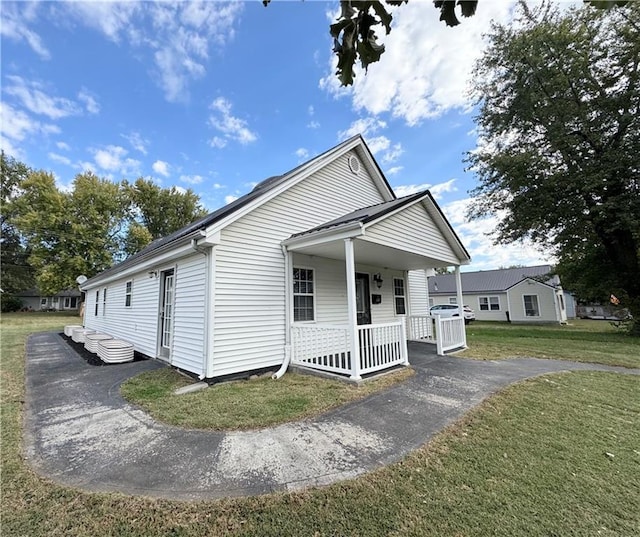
(452, 310)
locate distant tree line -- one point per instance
(50, 236)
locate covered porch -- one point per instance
(357, 288)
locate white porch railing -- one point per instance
(327, 347)
(324, 347)
(420, 328)
(450, 333)
(382, 346)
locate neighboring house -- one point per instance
(322, 266)
(33, 299)
(523, 294)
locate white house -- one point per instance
(523, 294)
(322, 266)
(34, 299)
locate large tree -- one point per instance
(15, 273)
(354, 32)
(559, 123)
(92, 225)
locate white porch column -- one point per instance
(460, 301)
(350, 267)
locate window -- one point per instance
(67, 302)
(97, 301)
(399, 296)
(127, 293)
(531, 306)
(303, 295)
(43, 302)
(453, 300)
(489, 303)
(104, 301)
(430, 301)
(74, 302)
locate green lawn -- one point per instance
(554, 456)
(580, 340)
(246, 404)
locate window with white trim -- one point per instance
(97, 302)
(43, 302)
(128, 293)
(453, 300)
(303, 295)
(399, 296)
(104, 301)
(489, 303)
(531, 308)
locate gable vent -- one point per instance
(354, 164)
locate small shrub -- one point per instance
(9, 303)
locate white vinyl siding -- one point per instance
(418, 292)
(189, 314)
(414, 231)
(250, 284)
(545, 297)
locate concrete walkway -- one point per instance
(80, 432)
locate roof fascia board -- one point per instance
(532, 280)
(348, 231)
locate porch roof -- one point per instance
(327, 240)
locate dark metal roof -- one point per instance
(366, 214)
(35, 292)
(485, 281)
(259, 190)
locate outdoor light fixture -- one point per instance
(377, 277)
(153, 274)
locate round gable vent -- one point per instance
(354, 164)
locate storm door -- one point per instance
(363, 299)
(166, 313)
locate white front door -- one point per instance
(166, 314)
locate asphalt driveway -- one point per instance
(80, 432)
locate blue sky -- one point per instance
(217, 96)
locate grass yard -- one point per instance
(557, 455)
(246, 404)
(582, 340)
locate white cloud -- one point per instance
(477, 237)
(137, 141)
(161, 167)
(233, 128)
(192, 179)
(178, 35)
(311, 110)
(436, 190)
(15, 19)
(217, 142)
(60, 159)
(313, 125)
(395, 170)
(230, 198)
(426, 65)
(180, 189)
(17, 125)
(113, 158)
(64, 146)
(377, 144)
(393, 154)
(302, 153)
(90, 103)
(364, 126)
(441, 188)
(33, 97)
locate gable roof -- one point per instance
(261, 190)
(486, 281)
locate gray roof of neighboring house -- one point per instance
(35, 292)
(201, 224)
(485, 281)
